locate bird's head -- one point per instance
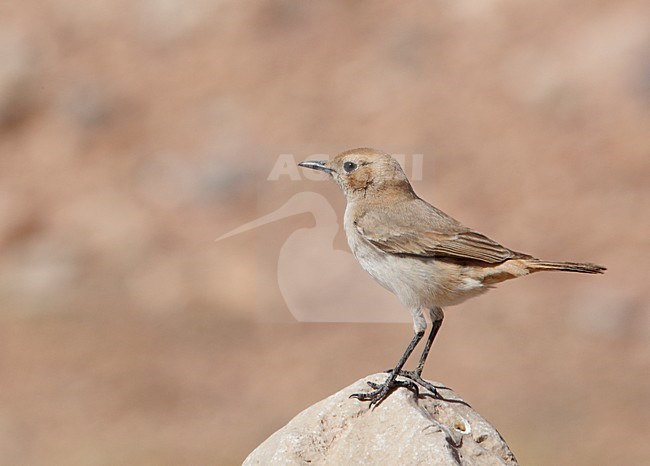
(359, 171)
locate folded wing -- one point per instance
(420, 229)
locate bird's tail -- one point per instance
(536, 265)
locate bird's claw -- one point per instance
(376, 396)
(415, 376)
(381, 391)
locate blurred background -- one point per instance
(134, 133)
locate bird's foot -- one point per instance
(381, 391)
(415, 376)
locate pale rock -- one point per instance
(401, 430)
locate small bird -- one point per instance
(419, 253)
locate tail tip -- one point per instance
(599, 268)
(580, 267)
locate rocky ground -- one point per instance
(413, 426)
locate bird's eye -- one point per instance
(349, 167)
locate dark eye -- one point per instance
(349, 167)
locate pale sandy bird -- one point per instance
(422, 255)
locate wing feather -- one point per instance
(428, 232)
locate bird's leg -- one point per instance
(382, 391)
(416, 375)
(435, 326)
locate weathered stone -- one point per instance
(401, 430)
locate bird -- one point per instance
(429, 260)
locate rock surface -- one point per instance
(401, 430)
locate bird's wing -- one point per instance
(419, 229)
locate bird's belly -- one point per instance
(419, 282)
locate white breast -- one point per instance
(415, 281)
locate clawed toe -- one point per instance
(415, 379)
(415, 376)
(381, 391)
(375, 397)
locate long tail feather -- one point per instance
(536, 265)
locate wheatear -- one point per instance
(419, 253)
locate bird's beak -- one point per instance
(316, 165)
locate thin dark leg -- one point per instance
(416, 375)
(382, 391)
(435, 326)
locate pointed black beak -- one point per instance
(316, 165)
